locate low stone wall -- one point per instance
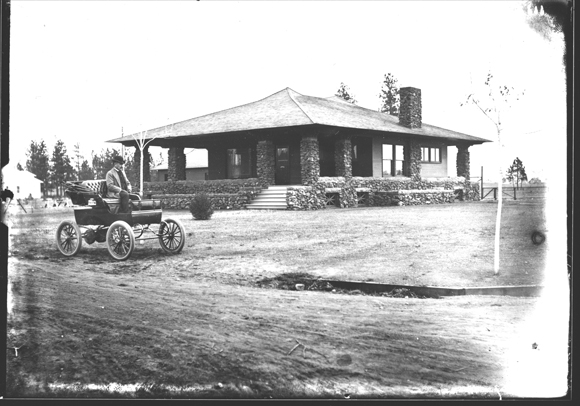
(400, 191)
(228, 186)
(219, 201)
(226, 194)
(305, 198)
(411, 197)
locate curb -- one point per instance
(431, 291)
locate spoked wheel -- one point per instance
(120, 240)
(171, 236)
(68, 238)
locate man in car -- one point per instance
(118, 185)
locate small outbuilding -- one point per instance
(22, 183)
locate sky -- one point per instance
(86, 71)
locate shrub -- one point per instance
(201, 207)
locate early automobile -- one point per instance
(97, 218)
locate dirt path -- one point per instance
(113, 324)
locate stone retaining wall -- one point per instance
(228, 186)
(305, 198)
(219, 201)
(225, 194)
(400, 191)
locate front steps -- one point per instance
(273, 198)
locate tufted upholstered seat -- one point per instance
(97, 186)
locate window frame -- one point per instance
(429, 159)
(247, 152)
(394, 159)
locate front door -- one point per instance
(282, 165)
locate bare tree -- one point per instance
(142, 142)
(497, 99)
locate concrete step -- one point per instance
(273, 198)
(272, 202)
(267, 206)
(267, 193)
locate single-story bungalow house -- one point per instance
(293, 140)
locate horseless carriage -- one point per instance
(98, 219)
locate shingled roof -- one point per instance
(288, 108)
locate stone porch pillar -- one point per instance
(146, 166)
(463, 161)
(414, 157)
(343, 157)
(175, 164)
(309, 159)
(266, 164)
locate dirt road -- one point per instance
(201, 338)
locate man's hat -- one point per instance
(118, 159)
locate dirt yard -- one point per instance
(201, 324)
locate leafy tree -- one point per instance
(133, 167)
(19, 167)
(85, 172)
(61, 168)
(345, 93)
(102, 162)
(517, 172)
(78, 158)
(497, 99)
(390, 95)
(38, 162)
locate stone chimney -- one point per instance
(410, 108)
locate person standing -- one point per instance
(118, 185)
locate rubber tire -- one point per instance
(117, 250)
(172, 241)
(73, 233)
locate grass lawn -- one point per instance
(447, 245)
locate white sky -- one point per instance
(82, 70)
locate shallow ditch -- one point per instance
(304, 281)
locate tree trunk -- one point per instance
(499, 207)
(141, 172)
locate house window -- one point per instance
(393, 160)
(17, 189)
(238, 165)
(354, 152)
(166, 177)
(430, 154)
